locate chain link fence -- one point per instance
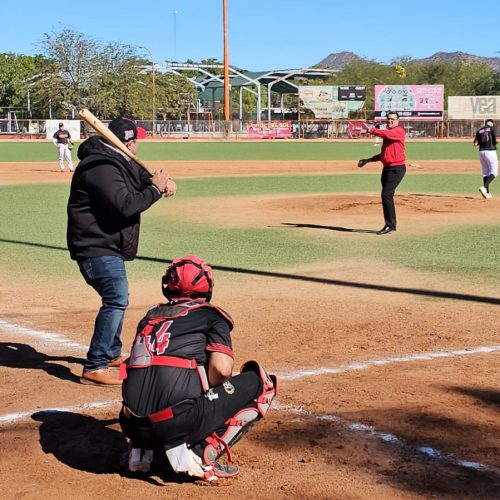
(304, 129)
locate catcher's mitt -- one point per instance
(70, 146)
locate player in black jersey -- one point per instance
(178, 388)
(62, 141)
(487, 141)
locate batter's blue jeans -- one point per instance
(107, 276)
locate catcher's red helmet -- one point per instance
(188, 276)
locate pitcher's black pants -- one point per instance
(391, 177)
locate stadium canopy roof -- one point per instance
(211, 83)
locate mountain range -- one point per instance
(338, 60)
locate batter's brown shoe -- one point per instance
(103, 377)
(117, 362)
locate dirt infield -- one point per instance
(389, 377)
(31, 172)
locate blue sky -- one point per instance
(263, 34)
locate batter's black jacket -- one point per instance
(108, 194)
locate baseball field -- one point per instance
(387, 347)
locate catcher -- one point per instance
(179, 394)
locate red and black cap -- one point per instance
(126, 130)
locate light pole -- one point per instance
(175, 34)
(226, 69)
(153, 74)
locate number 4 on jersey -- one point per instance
(159, 343)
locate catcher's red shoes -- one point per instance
(209, 472)
(104, 377)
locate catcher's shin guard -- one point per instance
(244, 419)
(270, 385)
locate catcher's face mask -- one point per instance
(188, 276)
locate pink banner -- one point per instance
(270, 130)
(412, 102)
(356, 128)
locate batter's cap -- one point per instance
(126, 129)
(188, 276)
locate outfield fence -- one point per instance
(303, 129)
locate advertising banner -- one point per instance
(323, 101)
(474, 107)
(352, 93)
(319, 99)
(412, 102)
(270, 130)
(72, 126)
(357, 128)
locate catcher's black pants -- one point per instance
(391, 178)
(195, 419)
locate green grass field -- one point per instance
(291, 151)
(33, 222)
(33, 226)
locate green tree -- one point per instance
(72, 61)
(110, 79)
(174, 96)
(459, 77)
(15, 71)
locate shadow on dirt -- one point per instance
(81, 441)
(15, 355)
(311, 279)
(427, 454)
(490, 397)
(85, 443)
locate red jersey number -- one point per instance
(159, 343)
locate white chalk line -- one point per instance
(357, 427)
(59, 339)
(11, 418)
(423, 356)
(45, 337)
(430, 452)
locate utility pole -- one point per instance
(227, 104)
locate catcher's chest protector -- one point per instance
(148, 345)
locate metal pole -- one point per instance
(269, 101)
(226, 69)
(259, 103)
(153, 76)
(241, 106)
(175, 34)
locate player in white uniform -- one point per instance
(62, 141)
(487, 141)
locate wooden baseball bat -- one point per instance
(104, 132)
